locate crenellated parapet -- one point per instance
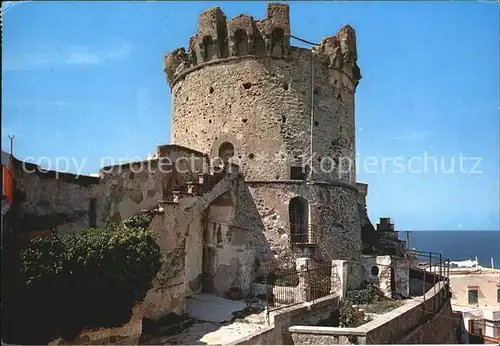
(340, 52)
(218, 38)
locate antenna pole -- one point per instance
(11, 150)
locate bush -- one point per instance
(351, 316)
(382, 306)
(89, 279)
(368, 294)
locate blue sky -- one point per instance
(85, 80)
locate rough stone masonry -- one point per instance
(242, 93)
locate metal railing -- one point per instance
(296, 286)
(303, 234)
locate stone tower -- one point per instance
(285, 115)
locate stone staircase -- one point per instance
(197, 195)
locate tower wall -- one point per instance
(240, 82)
(277, 105)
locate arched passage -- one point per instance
(298, 210)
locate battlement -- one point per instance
(218, 39)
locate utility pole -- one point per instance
(11, 151)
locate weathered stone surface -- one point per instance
(263, 108)
(333, 215)
(129, 188)
(47, 200)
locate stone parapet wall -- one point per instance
(280, 320)
(334, 222)
(45, 200)
(422, 320)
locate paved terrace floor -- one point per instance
(216, 322)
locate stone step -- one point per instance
(177, 195)
(194, 187)
(162, 205)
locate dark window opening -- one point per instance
(298, 172)
(283, 119)
(226, 151)
(208, 48)
(374, 270)
(473, 297)
(285, 85)
(93, 212)
(211, 90)
(498, 295)
(277, 42)
(251, 155)
(244, 120)
(247, 85)
(298, 210)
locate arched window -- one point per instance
(298, 210)
(208, 48)
(277, 42)
(241, 41)
(226, 151)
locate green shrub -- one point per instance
(382, 306)
(367, 294)
(88, 279)
(351, 316)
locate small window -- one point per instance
(298, 173)
(473, 296)
(375, 270)
(498, 295)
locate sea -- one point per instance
(459, 245)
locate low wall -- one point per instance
(306, 313)
(128, 334)
(45, 200)
(425, 319)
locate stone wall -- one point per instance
(306, 313)
(197, 254)
(334, 226)
(47, 200)
(265, 94)
(127, 189)
(423, 320)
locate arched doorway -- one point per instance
(298, 210)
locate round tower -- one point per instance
(284, 114)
